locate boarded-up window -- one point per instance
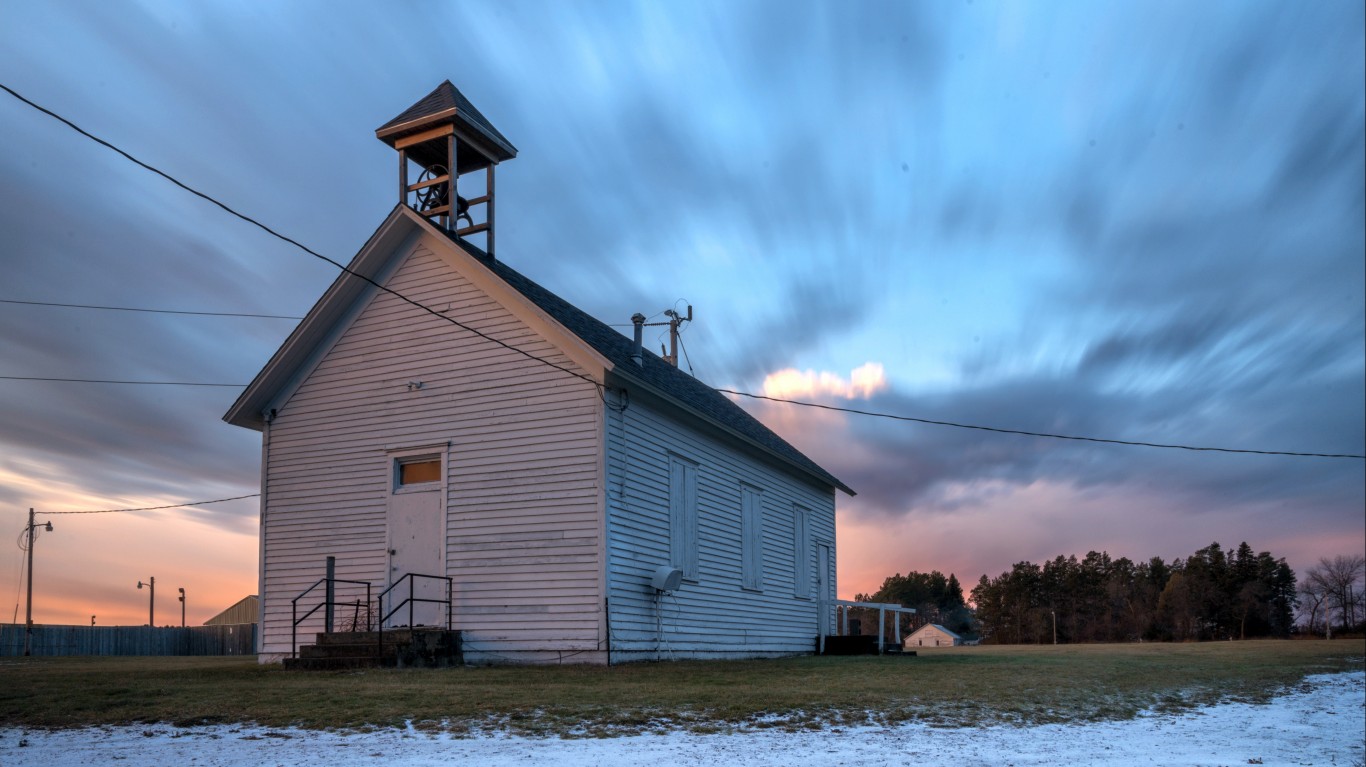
(751, 538)
(417, 472)
(683, 516)
(801, 552)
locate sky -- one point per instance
(1138, 221)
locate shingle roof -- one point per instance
(941, 628)
(655, 372)
(448, 100)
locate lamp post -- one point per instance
(182, 607)
(28, 609)
(151, 585)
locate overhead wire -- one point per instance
(855, 411)
(22, 543)
(1046, 435)
(689, 360)
(150, 311)
(157, 508)
(108, 381)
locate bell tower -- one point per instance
(441, 140)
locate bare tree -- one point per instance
(1335, 585)
(1311, 603)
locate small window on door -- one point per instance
(419, 471)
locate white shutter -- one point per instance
(751, 538)
(683, 516)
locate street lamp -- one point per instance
(28, 609)
(151, 599)
(182, 607)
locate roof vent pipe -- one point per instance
(637, 356)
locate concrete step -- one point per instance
(337, 664)
(851, 645)
(404, 648)
(397, 636)
(360, 650)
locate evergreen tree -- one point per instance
(1213, 594)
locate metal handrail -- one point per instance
(294, 609)
(412, 599)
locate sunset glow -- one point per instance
(863, 382)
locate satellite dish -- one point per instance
(667, 578)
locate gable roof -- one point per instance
(245, 610)
(935, 626)
(654, 374)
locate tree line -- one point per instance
(1212, 594)
(936, 599)
(1208, 595)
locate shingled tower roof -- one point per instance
(446, 104)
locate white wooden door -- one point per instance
(825, 587)
(417, 526)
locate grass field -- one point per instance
(948, 687)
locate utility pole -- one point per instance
(151, 599)
(1054, 613)
(182, 607)
(28, 609)
(675, 322)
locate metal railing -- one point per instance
(411, 600)
(328, 602)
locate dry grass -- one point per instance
(944, 686)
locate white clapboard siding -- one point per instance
(714, 616)
(524, 457)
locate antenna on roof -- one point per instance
(675, 321)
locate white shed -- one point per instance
(932, 635)
(543, 461)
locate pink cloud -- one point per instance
(863, 382)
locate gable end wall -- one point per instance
(524, 478)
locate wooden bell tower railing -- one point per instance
(439, 187)
(445, 136)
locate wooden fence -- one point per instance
(239, 639)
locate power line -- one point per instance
(855, 411)
(1037, 433)
(131, 383)
(153, 311)
(291, 241)
(157, 508)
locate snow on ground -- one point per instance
(1322, 723)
